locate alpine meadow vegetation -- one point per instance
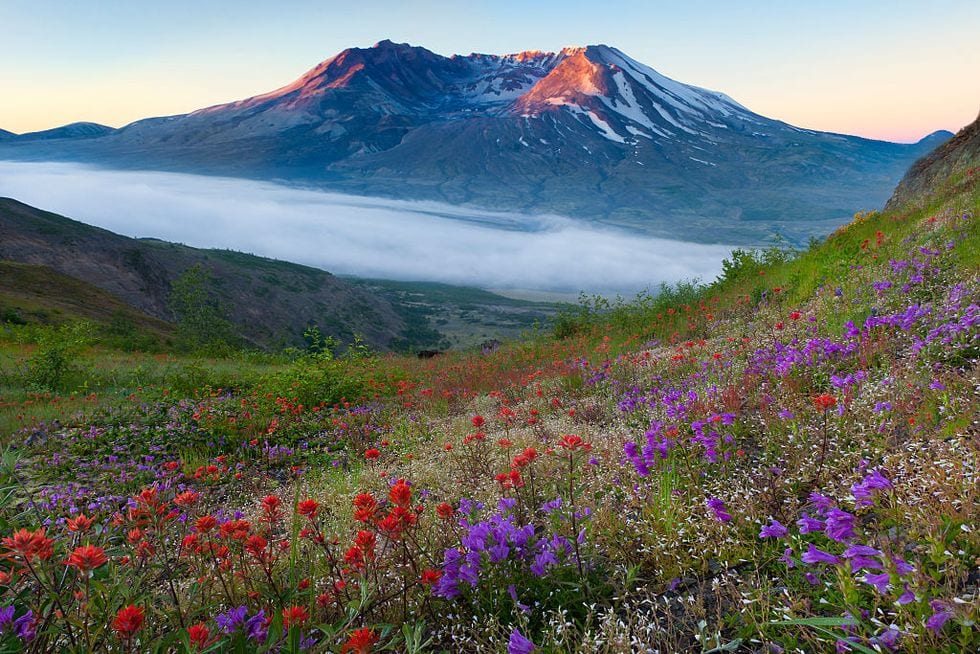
(782, 460)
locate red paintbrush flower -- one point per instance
(79, 523)
(359, 642)
(128, 621)
(87, 557)
(401, 495)
(308, 508)
(205, 524)
(29, 544)
(824, 402)
(199, 635)
(294, 615)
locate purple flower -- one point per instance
(821, 502)
(876, 481)
(255, 627)
(787, 558)
(506, 503)
(907, 596)
(553, 505)
(808, 524)
(231, 619)
(889, 637)
(939, 616)
(840, 525)
(773, 530)
(476, 539)
(499, 552)
(881, 582)
(6, 617)
(25, 627)
(718, 507)
(518, 644)
(902, 567)
(859, 556)
(815, 555)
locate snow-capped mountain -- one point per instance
(586, 132)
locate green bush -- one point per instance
(51, 366)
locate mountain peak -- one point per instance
(388, 43)
(938, 136)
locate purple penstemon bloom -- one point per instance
(902, 567)
(25, 627)
(6, 617)
(814, 555)
(773, 530)
(718, 508)
(231, 619)
(881, 581)
(940, 614)
(255, 627)
(907, 596)
(808, 524)
(553, 505)
(519, 644)
(860, 557)
(889, 637)
(839, 526)
(821, 502)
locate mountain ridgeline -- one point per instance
(586, 132)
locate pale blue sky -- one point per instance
(895, 70)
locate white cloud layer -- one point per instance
(367, 237)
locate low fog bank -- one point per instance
(366, 237)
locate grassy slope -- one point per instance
(38, 294)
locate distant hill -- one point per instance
(75, 270)
(270, 301)
(940, 167)
(70, 131)
(586, 132)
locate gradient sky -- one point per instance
(895, 69)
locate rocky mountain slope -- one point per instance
(586, 132)
(960, 154)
